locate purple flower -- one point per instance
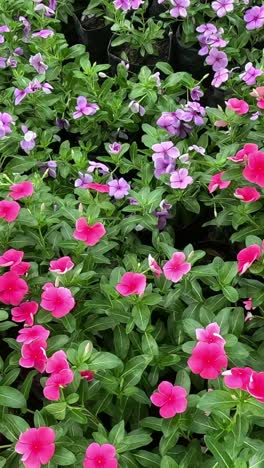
(207, 29)
(133, 201)
(123, 4)
(27, 25)
(34, 86)
(220, 77)
(136, 108)
(2, 62)
(46, 88)
(196, 93)
(43, 33)
(36, 62)
(20, 94)
(118, 188)
(163, 214)
(254, 17)
(83, 180)
(193, 111)
(115, 148)
(4, 29)
(172, 122)
(5, 121)
(102, 168)
(11, 62)
(166, 148)
(179, 8)
(222, 7)
(217, 59)
(19, 51)
(163, 165)
(28, 142)
(216, 41)
(62, 123)
(180, 179)
(135, 4)
(84, 108)
(198, 149)
(255, 116)
(250, 75)
(49, 167)
(48, 11)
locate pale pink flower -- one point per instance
(154, 267)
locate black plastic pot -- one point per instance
(185, 58)
(215, 97)
(95, 39)
(155, 9)
(114, 56)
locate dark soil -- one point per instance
(94, 22)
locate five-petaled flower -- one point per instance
(170, 399)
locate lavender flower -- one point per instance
(207, 29)
(254, 17)
(102, 168)
(179, 8)
(5, 121)
(217, 59)
(196, 93)
(11, 62)
(36, 62)
(118, 188)
(84, 108)
(180, 179)
(255, 116)
(20, 94)
(2, 62)
(83, 180)
(198, 149)
(193, 111)
(136, 108)
(222, 7)
(3, 29)
(165, 165)
(163, 214)
(220, 77)
(172, 122)
(27, 25)
(123, 4)
(49, 167)
(250, 75)
(28, 142)
(43, 33)
(19, 51)
(46, 88)
(115, 148)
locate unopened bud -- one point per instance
(57, 282)
(80, 209)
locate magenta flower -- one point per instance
(5, 121)
(220, 77)
(217, 59)
(56, 382)
(207, 360)
(254, 17)
(59, 301)
(179, 8)
(37, 63)
(222, 7)
(166, 148)
(87, 375)
(180, 179)
(132, 283)
(237, 377)
(21, 190)
(36, 446)
(170, 399)
(57, 362)
(242, 155)
(34, 355)
(250, 75)
(177, 267)
(90, 235)
(248, 304)
(44, 33)
(210, 334)
(25, 312)
(217, 182)
(9, 210)
(61, 266)
(29, 334)
(154, 266)
(256, 386)
(118, 188)
(84, 108)
(103, 456)
(11, 258)
(12, 288)
(254, 172)
(247, 194)
(246, 257)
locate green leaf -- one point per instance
(63, 457)
(134, 369)
(11, 398)
(141, 316)
(147, 459)
(117, 434)
(58, 410)
(216, 400)
(104, 361)
(230, 293)
(168, 462)
(12, 426)
(164, 67)
(257, 461)
(3, 315)
(219, 452)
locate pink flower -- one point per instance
(222, 7)
(248, 304)
(251, 73)
(132, 283)
(37, 446)
(256, 385)
(34, 355)
(103, 456)
(217, 59)
(28, 335)
(101, 188)
(217, 182)
(90, 235)
(207, 360)
(254, 172)
(239, 106)
(12, 288)
(21, 269)
(220, 77)
(21, 190)
(247, 194)
(87, 375)
(11, 258)
(170, 399)
(237, 377)
(254, 17)
(9, 210)
(61, 266)
(180, 179)
(57, 381)
(84, 108)
(210, 334)
(58, 301)
(57, 362)
(166, 148)
(154, 267)
(44, 33)
(25, 312)
(179, 8)
(247, 256)
(176, 268)
(243, 154)
(260, 103)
